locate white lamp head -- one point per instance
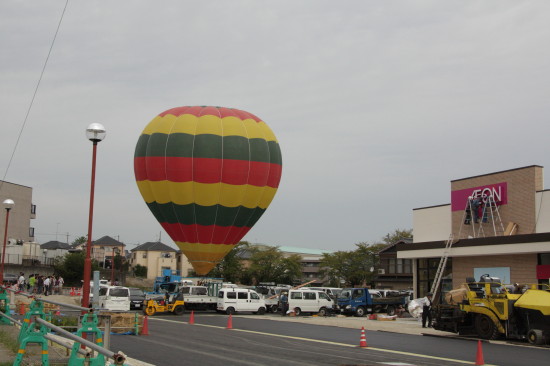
(95, 132)
(8, 204)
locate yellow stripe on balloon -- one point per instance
(203, 267)
(206, 194)
(233, 126)
(268, 133)
(200, 251)
(209, 124)
(160, 125)
(186, 123)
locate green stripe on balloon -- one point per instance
(205, 215)
(208, 146)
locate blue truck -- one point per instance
(359, 301)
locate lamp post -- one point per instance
(115, 252)
(8, 204)
(95, 133)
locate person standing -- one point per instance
(46, 285)
(21, 282)
(60, 282)
(40, 285)
(427, 311)
(30, 285)
(284, 303)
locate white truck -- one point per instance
(200, 297)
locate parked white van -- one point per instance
(333, 292)
(309, 301)
(231, 300)
(114, 298)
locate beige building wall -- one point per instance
(184, 266)
(21, 213)
(542, 209)
(100, 253)
(522, 185)
(431, 223)
(154, 261)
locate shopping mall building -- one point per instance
(499, 224)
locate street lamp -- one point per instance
(95, 133)
(8, 204)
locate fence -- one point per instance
(36, 328)
(28, 260)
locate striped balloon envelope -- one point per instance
(207, 174)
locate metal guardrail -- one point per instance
(118, 358)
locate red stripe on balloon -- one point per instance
(211, 234)
(207, 170)
(214, 111)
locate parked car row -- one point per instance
(230, 300)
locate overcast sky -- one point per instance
(377, 105)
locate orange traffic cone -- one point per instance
(22, 309)
(230, 322)
(363, 340)
(192, 318)
(479, 356)
(145, 328)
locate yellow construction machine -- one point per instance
(491, 310)
(172, 303)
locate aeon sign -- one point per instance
(498, 191)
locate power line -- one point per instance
(33, 96)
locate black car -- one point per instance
(137, 297)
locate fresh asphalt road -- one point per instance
(172, 341)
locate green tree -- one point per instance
(270, 265)
(80, 240)
(71, 267)
(397, 235)
(231, 267)
(140, 271)
(354, 268)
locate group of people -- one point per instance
(39, 284)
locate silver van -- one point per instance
(309, 301)
(114, 298)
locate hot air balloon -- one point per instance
(207, 174)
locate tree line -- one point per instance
(249, 264)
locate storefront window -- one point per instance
(427, 269)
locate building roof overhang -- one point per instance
(495, 245)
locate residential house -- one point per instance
(53, 249)
(103, 250)
(157, 256)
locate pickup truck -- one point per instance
(359, 301)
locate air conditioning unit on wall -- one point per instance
(381, 271)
